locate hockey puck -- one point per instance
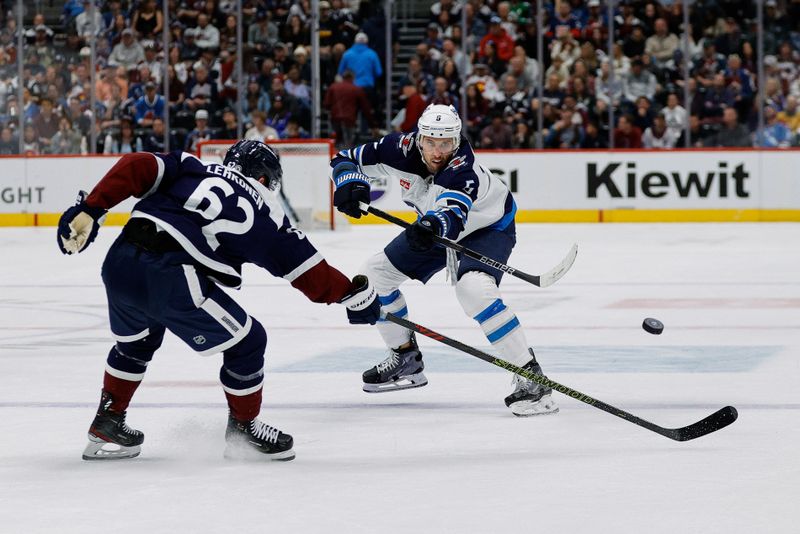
(654, 326)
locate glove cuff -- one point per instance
(95, 213)
(350, 177)
(439, 223)
(360, 296)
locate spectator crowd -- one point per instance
(642, 78)
(56, 114)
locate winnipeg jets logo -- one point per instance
(405, 143)
(457, 162)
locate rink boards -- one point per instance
(549, 186)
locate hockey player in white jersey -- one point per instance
(456, 198)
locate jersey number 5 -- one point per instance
(213, 208)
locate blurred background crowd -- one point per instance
(119, 76)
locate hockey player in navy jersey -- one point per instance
(457, 198)
(194, 226)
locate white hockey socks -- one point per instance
(480, 298)
(386, 279)
(394, 335)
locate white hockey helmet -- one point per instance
(439, 121)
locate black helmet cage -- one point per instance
(256, 160)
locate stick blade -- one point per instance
(716, 421)
(554, 275)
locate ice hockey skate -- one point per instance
(528, 397)
(401, 370)
(255, 440)
(109, 437)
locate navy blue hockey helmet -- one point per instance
(256, 160)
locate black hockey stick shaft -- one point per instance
(288, 207)
(716, 421)
(544, 280)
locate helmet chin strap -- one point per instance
(272, 185)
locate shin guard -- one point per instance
(387, 279)
(480, 298)
(125, 367)
(242, 374)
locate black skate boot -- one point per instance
(254, 440)
(530, 398)
(401, 370)
(109, 437)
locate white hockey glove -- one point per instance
(78, 226)
(362, 302)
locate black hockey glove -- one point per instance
(78, 226)
(352, 188)
(362, 302)
(420, 234)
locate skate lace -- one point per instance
(264, 431)
(124, 426)
(389, 362)
(523, 384)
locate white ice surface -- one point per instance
(448, 457)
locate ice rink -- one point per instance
(449, 457)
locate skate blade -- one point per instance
(404, 382)
(98, 449)
(544, 406)
(245, 453)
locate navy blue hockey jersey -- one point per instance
(224, 219)
(466, 193)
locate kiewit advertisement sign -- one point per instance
(657, 180)
(647, 185)
(549, 186)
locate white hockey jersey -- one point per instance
(465, 192)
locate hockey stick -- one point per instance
(547, 279)
(716, 421)
(287, 207)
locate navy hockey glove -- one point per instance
(352, 188)
(420, 234)
(78, 226)
(363, 306)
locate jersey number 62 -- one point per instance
(212, 210)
